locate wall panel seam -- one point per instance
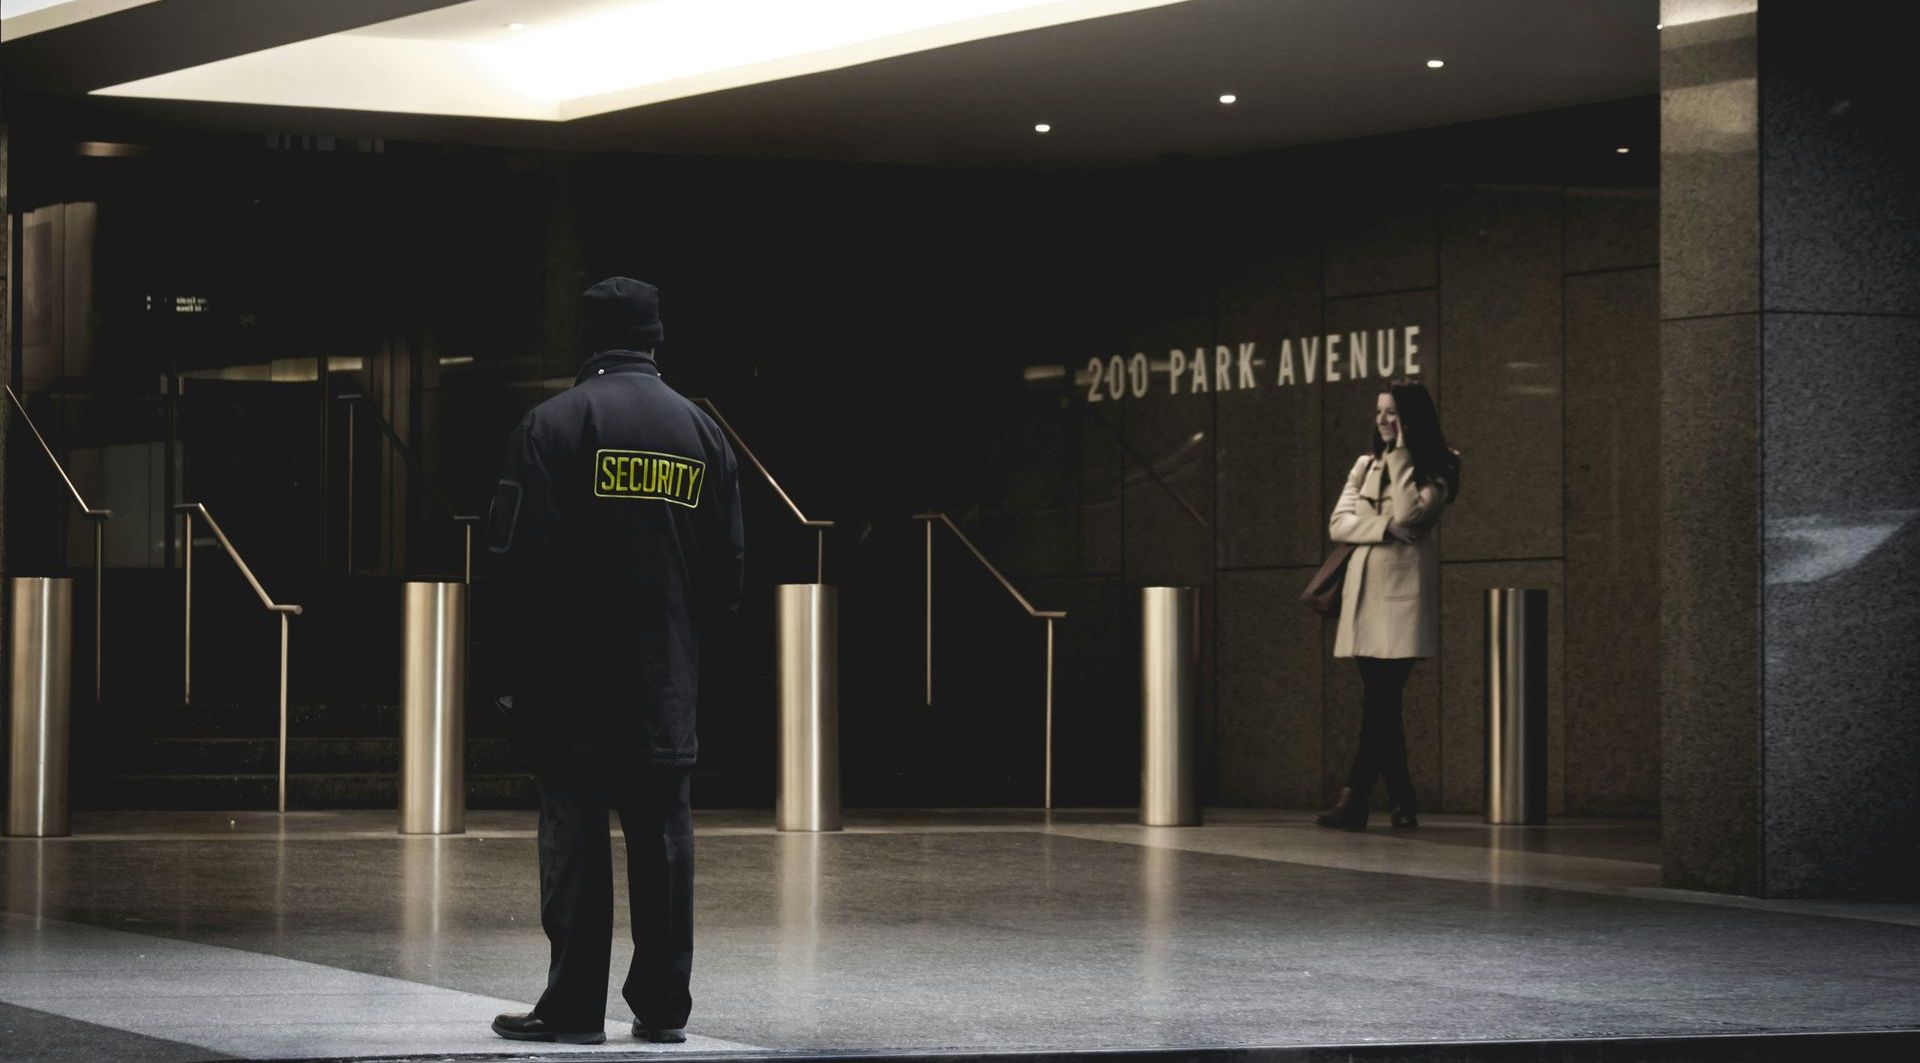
(1495, 560)
(1603, 271)
(1841, 313)
(1375, 295)
(1714, 317)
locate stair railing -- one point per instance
(465, 521)
(929, 519)
(188, 509)
(98, 517)
(819, 526)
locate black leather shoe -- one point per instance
(658, 1035)
(531, 1027)
(1406, 816)
(1348, 813)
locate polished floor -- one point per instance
(186, 936)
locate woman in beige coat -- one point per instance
(1390, 603)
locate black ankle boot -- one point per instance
(1406, 814)
(1348, 813)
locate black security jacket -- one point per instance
(614, 544)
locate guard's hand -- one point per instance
(1397, 530)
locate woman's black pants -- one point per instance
(576, 894)
(1383, 738)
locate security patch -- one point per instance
(646, 474)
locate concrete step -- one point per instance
(340, 755)
(256, 719)
(225, 754)
(254, 790)
(226, 719)
(305, 756)
(351, 790)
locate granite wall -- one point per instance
(1790, 330)
(1535, 306)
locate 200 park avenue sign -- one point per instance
(1329, 358)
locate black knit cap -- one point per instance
(620, 313)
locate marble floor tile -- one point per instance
(988, 930)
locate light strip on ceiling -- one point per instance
(575, 58)
(23, 18)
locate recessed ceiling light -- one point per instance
(1435, 64)
(1621, 151)
(516, 26)
(1043, 128)
(1228, 97)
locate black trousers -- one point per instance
(576, 893)
(1383, 737)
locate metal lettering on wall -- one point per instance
(1331, 358)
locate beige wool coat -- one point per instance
(1390, 602)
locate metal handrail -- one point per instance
(466, 521)
(98, 517)
(1049, 615)
(819, 526)
(187, 510)
(982, 558)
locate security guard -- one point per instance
(616, 546)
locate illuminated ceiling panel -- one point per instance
(26, 17)
(557, 60)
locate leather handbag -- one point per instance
(1323, 590)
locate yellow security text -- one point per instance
(645, 474)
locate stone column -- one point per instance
(1790, 348)
(7, 278)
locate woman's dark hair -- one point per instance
(1420, 424)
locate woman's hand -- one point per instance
(1397, 530)
(1399, 435)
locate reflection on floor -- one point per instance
(183, 936)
